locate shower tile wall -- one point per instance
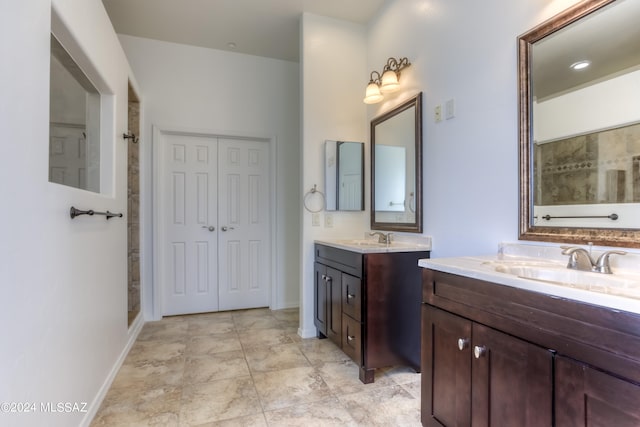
(601, 167)
(133, 219)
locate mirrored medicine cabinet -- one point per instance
(344, 175)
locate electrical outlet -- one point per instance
(437, 113)
(328, 220)
(315, 219)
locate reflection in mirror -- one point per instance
(74, 123)
(579, 75)
(344, 175)
(396, 159)
(390, 180)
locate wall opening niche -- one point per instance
(133, 197)
(74, 123)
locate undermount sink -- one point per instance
(628, 286)
(364, 243)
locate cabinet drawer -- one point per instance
(352, 296)
(343, 260)
(352, 338)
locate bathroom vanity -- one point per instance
(367, 301)
(500, 349)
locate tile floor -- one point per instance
(250, 368)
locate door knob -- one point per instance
(463, 343)
(479, 351)
(225, 228)
(210, 228)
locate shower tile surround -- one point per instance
(600, 167)
(250, 368)
(133, 218)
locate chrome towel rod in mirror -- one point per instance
(73, 212)
(613, 216)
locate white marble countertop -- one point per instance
(619, 291)
(399, 243)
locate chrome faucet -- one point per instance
(580, 259)
(382, 238)
(602, 264)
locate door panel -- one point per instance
(587, 397)
(512, 381)
(446, 369)
(244, 258)
(214, 245)
(188, 250)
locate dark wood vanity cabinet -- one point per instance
(482, 377)
(501, 356)
(369, 305)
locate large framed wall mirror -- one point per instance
(579, 76)
(344, 175)
(396, 168)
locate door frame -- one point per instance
(157, 161)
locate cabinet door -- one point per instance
(320, 299)
(334, 305)
(512, 381)
(587, 397)
(446, 369)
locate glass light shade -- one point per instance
(372, 95)
(389, 82)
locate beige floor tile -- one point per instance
(318, 352)
(172, 328)
(218, 400)
(384, 406)
(256, 420)
(134, 406)
(255, 322)
(250, 368)
(273, 358)
(289, 387)
(150, 375)
(263, 337)
(343, 378)
(217, 366)
(318, 414)
(214, 343)
(207, 326)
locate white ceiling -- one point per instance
(267, 28)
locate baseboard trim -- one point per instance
(307, 333)
(92, 410)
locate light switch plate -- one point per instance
(450, 109)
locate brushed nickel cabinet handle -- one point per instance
(463, 343)
(479, 351)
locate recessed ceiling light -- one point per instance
(231, 45)
(580, 65)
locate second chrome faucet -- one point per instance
(580, 259)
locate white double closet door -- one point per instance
(214, 224)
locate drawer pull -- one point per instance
(350, 338)
(463, 343)
(479, 351)
(324, 277)
(350, 296)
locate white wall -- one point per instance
(193, 88)
(603, 105)
(334, 77)
(63, 309)
(466, 51)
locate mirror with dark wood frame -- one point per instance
(580, 127)
(396, 168)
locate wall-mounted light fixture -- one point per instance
(388, 82)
